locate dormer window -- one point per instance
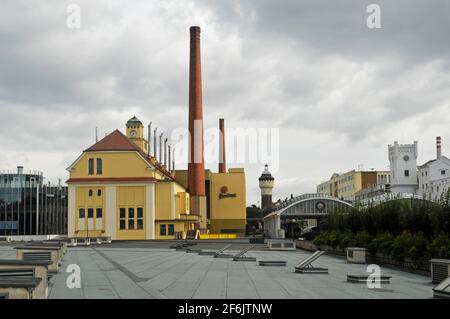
(443, 172)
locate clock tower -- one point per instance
(135, 132)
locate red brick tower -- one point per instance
(196, 168)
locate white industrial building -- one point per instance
(434, 175)
(430, 180)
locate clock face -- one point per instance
(133, 133)
(406, 158)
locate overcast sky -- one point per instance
(338, 91)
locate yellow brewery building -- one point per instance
(118, 190)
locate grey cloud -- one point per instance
(311, 68)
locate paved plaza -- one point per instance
(153, 270)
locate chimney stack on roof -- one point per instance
(196, 169)
(196, 166)
(222, 156)
(438, 147)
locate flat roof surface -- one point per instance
(153, 270)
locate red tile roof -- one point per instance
(116, 141)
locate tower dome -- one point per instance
(266, 175)
(134, 121)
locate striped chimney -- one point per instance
(438, 147)
(222, 156)
(196, 168)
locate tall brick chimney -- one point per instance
(222, 155)
(196, 168)
(438, 147)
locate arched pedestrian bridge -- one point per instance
(307, 206)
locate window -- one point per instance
(162, 230)
(122, 218)
(91, 166)
(99, 213)
(406, 172)
(90, 213)
(131, 218)
(81, 213)
(140, 218)
(90, 192)
(99, 166)
(443, 172)
(170, 230)
(99, 192)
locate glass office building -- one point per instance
(29, 207)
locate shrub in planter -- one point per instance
(321, 239)
(407, 245)
(347, 240)
(401, 246)
(382, 243)
(363, 239)
(334, 239)
(418, 249)
(440, 247)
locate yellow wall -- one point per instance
(115, 164)
(139, 131)
(178, 227)
(347, 184)
(86, 202)
(218, 225)
(228, 212)
(130, 197)
(163, 200)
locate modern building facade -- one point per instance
(29, 207)
(345, 186)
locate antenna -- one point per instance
(96, 134)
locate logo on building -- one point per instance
(320, 206)
(224, 193)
